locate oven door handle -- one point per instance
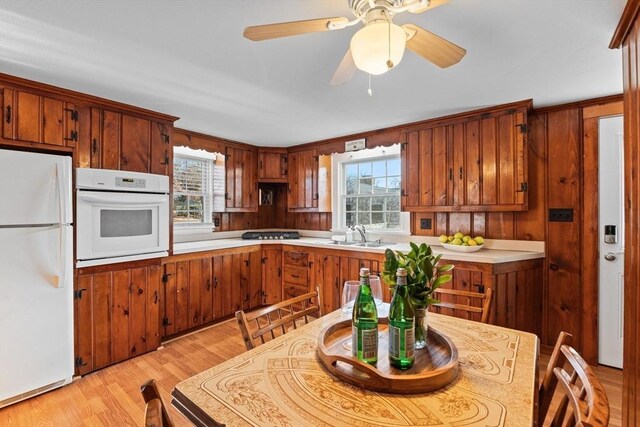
(140, 199)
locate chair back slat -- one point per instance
(484, 302)
(277, 317)
(549, 381)
(584, 402)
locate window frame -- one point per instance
(338, 192)
(210, 157)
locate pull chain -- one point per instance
(370, 92)
(389, 62)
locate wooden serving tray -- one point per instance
(435, 366)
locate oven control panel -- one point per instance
(130, 182)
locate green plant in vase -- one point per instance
(424, 276)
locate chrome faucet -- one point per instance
(362, 231)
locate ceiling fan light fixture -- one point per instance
(378, 47)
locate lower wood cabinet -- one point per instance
(517, 291)
(199, 288)
(296, 276)
(116, 314)
(271, 274)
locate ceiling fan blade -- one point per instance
(286, 29)
(428, 6)
(345, 70)
(433, 48)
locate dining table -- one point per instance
(283, 383)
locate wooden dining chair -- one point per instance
(155, 414)
(549, 381)
(277, 319)
(485, 298)
(584, 402)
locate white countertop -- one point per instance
(489, 256)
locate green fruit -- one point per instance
(472, 243)
(443, 239)
(466, 239)
(458, 235)
(479, 240)
(450, 239)
(465, 244)
(456, 241)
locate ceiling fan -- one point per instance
(379, 45)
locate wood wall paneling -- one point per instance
(627, 36)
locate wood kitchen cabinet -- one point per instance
(327, 277)
(297, 264)
(202, 287)
(241, 180)
(33, 118)
(117, 314)
(271, 274)
(272, 165)
(517, 292)
(126, 142)
(303, 180)
(475, 164)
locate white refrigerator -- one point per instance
(36, 276)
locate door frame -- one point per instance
(590, 226)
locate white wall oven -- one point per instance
(120, 216)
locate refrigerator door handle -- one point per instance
(60, 280)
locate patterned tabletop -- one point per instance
(282, 383)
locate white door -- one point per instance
(611, 247)
(34, 188)
(36, 310)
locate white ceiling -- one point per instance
(189, 59)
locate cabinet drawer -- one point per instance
(292, 291)
(300, 259)
(296, 276)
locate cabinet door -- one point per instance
(241, 180)
(116, 316)
(255, 279)
(206, 291)
(271, 275)
(28, 117)
(410, 157)
(272, 165)
(327, 277)
(303, 180)
(161, 149)
(135, 144)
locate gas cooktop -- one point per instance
(270, 235)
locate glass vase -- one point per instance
(421, 328)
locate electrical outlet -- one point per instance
(561, 215)
(425, 223)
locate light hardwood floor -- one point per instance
(111, 397)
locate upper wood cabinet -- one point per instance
(241, 180)
(303, 180)
(32, 118)
(124, 142)
(272, 165)
(477, 164)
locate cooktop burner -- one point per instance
(270, 235)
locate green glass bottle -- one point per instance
(364, 330)
(401, 325)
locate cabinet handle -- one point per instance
(554, 267)
(94, 146)
(208, 284)
(337, 283)
(460, 172)
(166, 158)
(295, 276)
(260, 165)
(279, 272)
(215, 283)
(450, 173)
(155, 297)
(283, 164)
(8, 113)
(140, 291)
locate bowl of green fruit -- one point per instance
(461, 243)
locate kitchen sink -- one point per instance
(343, 243)
(374, 244)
